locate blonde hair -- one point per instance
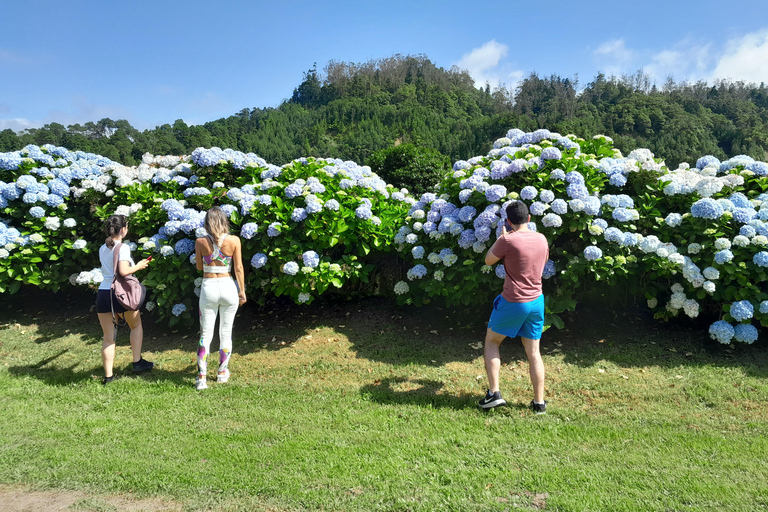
(216, 224)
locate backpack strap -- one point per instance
(115, 320)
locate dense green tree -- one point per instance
(416, 168)
(352, 110)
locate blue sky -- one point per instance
(152, 62)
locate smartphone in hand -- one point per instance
(149, 259)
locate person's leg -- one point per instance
(228, 307)
(209, 307)
(492, 358)
(535, 368)
(530, 334)
(133, 319)
(108, 345)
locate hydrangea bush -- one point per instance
(710, 241)
(45, 232)
(574, 191)
(305, 227)
(693, 240)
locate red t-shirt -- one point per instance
(524, 254)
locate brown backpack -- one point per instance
(126, 290)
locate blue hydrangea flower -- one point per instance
(274, 229)
(759, 168)
(747, 231)
(528, 193)
(577, 190)
(299, 214)
(552, 220)
(764, 307)
(258, 260)
(722, 331)
(592, 253)
(495, 193)
(724, 256)
(760, 259)
(745, 333)
(417, 272)
(617, 180)
(332, 204)
(673, 220)
(706, 161)
(178, 309)
(547, 196)
(53, 200)
(37, 212)
(592, 206)
(291, 268)
(622, 215)
(707, 208)
(363, 212)
(551, 153)
(500, 271)
(557, 174)
(248, 230)
(313, 207)
(549, 269)
(744, 215)
(576, 205)
(559, 206)
(742, 310)
(184, 246)
(293, 190)
(464, 195)
(264, 199)
(538, 208)
(310, 259)
(417, 252)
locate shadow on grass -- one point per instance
(425, 395)
(378, 330)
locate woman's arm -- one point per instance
(198, 253)
(124, 266)
(237, 263)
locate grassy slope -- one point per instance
(364, 406)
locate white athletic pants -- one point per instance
(217, 295)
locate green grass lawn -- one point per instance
(366, 406)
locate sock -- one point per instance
(538, 403)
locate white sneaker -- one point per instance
(223, 377)
(200, 384)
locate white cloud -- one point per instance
(686, 60)
(485, 65)
(613, 57)
(745, 58)
(18, 124)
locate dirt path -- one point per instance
(15, 499)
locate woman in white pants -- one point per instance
(217, 254)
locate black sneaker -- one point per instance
(142, 365)
(492, 400)
(106, 380)
(539, 408)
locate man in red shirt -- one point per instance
(519, 310)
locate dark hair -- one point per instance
(517, 212)
(112, 228)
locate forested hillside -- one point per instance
(350, 111)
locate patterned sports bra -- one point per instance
(216, 255)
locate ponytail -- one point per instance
(112, 228)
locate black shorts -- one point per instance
(103, 305)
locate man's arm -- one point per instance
(490, 258)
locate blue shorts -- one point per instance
(512, 319)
